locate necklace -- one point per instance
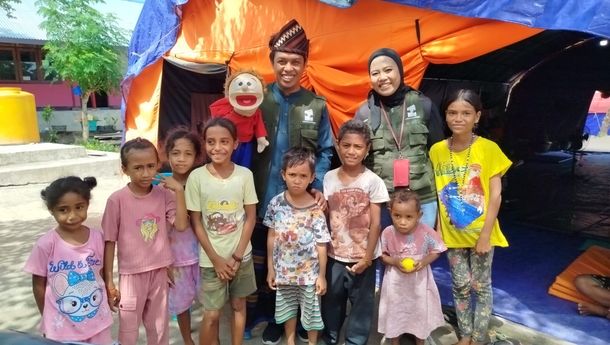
(453, 169)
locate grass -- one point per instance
(98, 145)
(74, 138)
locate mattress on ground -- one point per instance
(595, 260)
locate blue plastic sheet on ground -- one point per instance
(522, 274)
(580, 15)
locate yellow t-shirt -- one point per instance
(463, 205)
(221, 203)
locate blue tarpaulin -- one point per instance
(592, 16)
(154, 34)
(339, 3)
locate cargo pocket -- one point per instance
(128, 313)
(418, 134)
(309, 139)
(420, 173)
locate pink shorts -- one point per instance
(184, 291)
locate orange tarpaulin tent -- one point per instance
(341, 40)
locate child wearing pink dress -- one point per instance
(183, 149)
(409, 302)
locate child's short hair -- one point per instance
(404, 195)
(183, 132)
(356, 127)
(138, 143)
(299, 155)
(71, 184)
(220, 122)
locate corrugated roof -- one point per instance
(23, 28)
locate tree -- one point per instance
(84, 47)
(6, 6)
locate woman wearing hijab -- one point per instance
(404, 124)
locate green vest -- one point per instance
(414, 146)
(303, 121)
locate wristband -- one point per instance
(236, 258)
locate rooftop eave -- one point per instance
(31, 41)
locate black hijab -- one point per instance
(398, 96)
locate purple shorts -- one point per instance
(184, 291)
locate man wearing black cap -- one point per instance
(293, 116)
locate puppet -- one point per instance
(244, 93)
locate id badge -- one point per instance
(401, 172)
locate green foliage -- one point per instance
(52, 135)
(47, 114)
(6, 6)
(98, 145)
(84, 47)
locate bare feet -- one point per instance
(585, 308)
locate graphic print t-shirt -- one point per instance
(221, 203)
(139, 224)
(349, 213)
(463, 203)
(421, 242)
(297, 232)
(75, 305)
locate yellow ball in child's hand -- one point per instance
(408, 264)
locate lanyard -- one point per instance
(402, 125)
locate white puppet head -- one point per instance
(245, 91)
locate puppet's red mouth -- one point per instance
(246, 100)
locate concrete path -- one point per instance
(23, 218)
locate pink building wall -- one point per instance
(57, 95)
(114, 100)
